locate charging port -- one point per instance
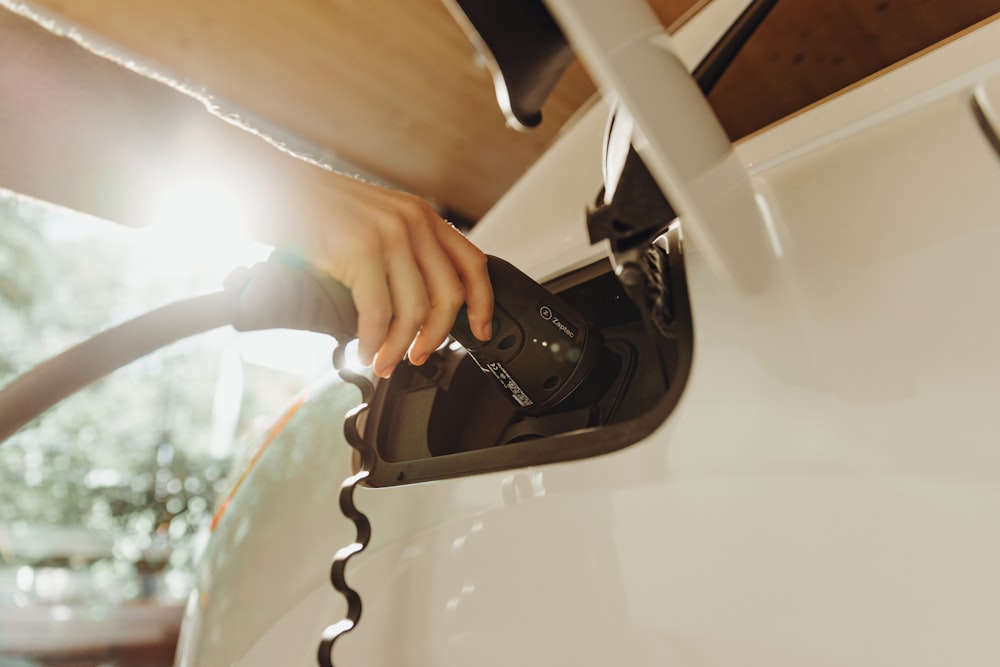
(448, 418)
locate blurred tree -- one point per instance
(22, 250)
(130, 456)
(22, 275)
(99, 459)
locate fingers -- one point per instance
(445, 291)
(426, 286)
(373, 302)
(470, 264)
(410, 306)
(408, 269)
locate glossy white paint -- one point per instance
(826, 492)
(272, 547)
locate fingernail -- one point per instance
(382, 367)
(418, 360)
(486, 331)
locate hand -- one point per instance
(408, 269)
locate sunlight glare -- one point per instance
(352, 359)
(302, 353)
(196, 209)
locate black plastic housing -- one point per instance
(542, 350)
(448, 418)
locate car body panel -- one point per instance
(825, 492)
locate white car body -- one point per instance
(826, 491)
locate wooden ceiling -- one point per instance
(394, 87)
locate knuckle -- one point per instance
(416, 211)
(478, 262)
(404, 204)
(421, 312)
(377, 317)
(413, 313)
(367, 245)
(453, 299)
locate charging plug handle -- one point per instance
(542, 349)
(541, 352)
(286, 293)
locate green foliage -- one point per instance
(22, 276)
(128, 456)
(22, 270)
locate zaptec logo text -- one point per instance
(553, 318)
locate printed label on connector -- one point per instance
(548, 314)
(508, 383)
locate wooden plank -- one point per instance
(804, 52)
(392, 86)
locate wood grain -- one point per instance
(394, 87)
